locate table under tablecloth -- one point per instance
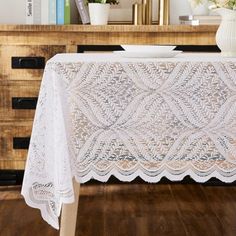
(100, 115)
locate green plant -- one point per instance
(230, 4)
(103, 1)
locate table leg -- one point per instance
(69, 214)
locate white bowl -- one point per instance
(147, 48)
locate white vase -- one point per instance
(99, 13)
(226, 33)
(201, 8)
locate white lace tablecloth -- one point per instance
(100, 115)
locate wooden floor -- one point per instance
(132, 210)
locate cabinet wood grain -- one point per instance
(107, 35)
(33, 51)
(10, 90)
(10, 157)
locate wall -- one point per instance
(177, 8)
(12, 11)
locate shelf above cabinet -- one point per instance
(108, 34)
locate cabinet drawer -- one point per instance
(14, 140)
(25, 62)
(18, 99)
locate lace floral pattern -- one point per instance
(129, 119)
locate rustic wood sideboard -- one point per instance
(24, 50)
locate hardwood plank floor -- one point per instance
(169, 209)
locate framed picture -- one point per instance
(122, 13)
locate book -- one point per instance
(29, 12)
(52, 12)
(74, 13)
(60, 12)
(37, 16)
(189, 22)
(22, 12)
(67, 17)
(83, 11)
(71, 13)
(44, 12)
(33, 12)
(209, 20)
(203, 20)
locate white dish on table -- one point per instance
(168, 54)
(147, 48)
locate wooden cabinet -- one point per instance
(16, 58)
(21, 70)
(24, 50)
(14, 139)
(18, 99)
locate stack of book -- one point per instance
(55, 12)
(200, 20)
(43, 12)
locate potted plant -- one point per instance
(226, 33)
(99, 11)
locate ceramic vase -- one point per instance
(98, 13)
(226, 33)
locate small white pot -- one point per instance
(99, 13)
(200, 9)
(226, 33)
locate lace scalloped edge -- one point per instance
(124, 178)
(42, 207)
(154, 179)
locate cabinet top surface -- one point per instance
(109, 28)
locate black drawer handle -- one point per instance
(21, 142)
(24, 103)
(27, 62)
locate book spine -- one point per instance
(37, 12)
(67, 12)
(52, 12)
(60, 12)
(45, 12)
(29, 12)
(209, 23)
(82, 11)
(189, 22)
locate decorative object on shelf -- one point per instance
(188, 20)
(200, 20)
(199, 7)
(164, 12)
(83, 11)
(122, 13)
(137, 14)
(226, 33)
(147, 12)
(99, 11)
(142, 13)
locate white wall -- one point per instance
(12, 11)
(177, 8)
